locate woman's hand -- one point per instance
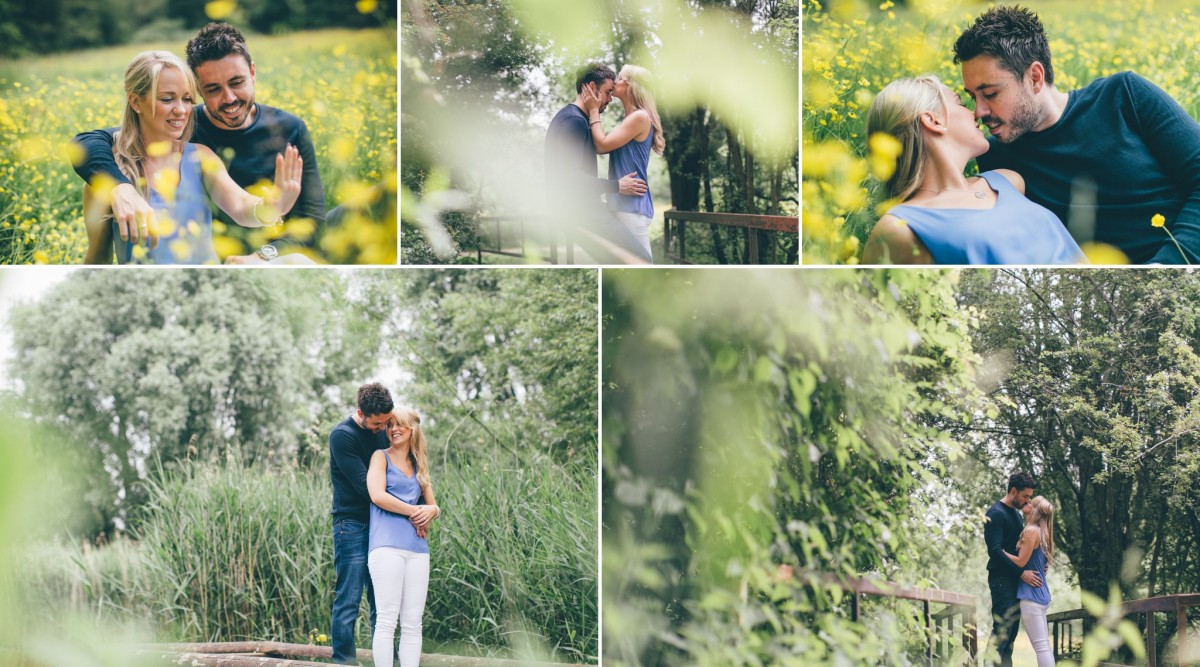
(424, 515)
(591, 101)
(289, 169)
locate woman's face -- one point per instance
(398, 433)
(166, 116)
(1027, 509)
(962, 125)
(621, 90)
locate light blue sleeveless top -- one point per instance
(395, 530)
(1041, 594)
(189, 220)
(1014, 231)
(632, 157)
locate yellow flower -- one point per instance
(219, 9)
(1158, 220)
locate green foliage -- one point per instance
(187, 364)
(761, 424)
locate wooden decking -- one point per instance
(278, 654)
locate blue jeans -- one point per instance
(350, 540)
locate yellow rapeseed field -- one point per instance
(851, 49)
(342, 83)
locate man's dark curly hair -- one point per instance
(374, 399)
(1012, 35)
(1021, 480)
(215, 41)
(593, 73)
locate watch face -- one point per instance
(268, 252)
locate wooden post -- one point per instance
(854, 607)
(971, 634)
(929, 625)
(682, 254)
(752, 241)
(1057, 643)
(1151, 642)
(1181, 623)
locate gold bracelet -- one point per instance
(265, 223)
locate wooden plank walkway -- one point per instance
(279, 654)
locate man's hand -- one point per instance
(631, 185)
(1030, 577)
(134, 217)
(422, 517)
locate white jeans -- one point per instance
(401, 581)
(1033, 617)
(639, 226)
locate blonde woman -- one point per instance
(630, 144)
(398, 550)
(944, 217)
(1035, 551)
(175, 176)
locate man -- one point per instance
(1107, 158)
(1001, 532)
(572, 187)
(351, 444)
(231, 123)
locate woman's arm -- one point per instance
(246, 209)
(631, 127)
(892, 242)
(1029, 542)
(426, 513)
(377, 488)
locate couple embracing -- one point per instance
(1019, 534)
(383, 508)
(1118, 159)
(163, 168)
(617, 231)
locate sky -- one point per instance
(19, 285)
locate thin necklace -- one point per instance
(979, 194)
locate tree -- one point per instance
(146, 366)
(502, 358)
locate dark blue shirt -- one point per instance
(572, 183)
(1136, 147)
(350, 450)
(1001, 533)
(248, 153)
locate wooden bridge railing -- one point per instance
(675, 238)
(957, 604)
(278, 654)
(1064, 639)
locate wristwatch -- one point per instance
(268, 252)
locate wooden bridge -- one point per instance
(957, 605)
(277, 654)
(1065, 642)
(512, 236)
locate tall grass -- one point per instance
(229, 553)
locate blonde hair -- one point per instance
(641, 89)
(897, 111)
(417, 450)
(141, 81)
(1042, 515)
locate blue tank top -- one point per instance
(1041, 594)
(394, 530)
(1014, 231)
(632, 157)
(185, 225)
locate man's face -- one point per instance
(227, 86)
(604, 91)
(375, 423)
(1023, 498)
(1003, 101)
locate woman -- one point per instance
(398, 551)
(152, 150)
(1035, 551)
(945, 217)
(630, 144)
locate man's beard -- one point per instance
(1025, 118)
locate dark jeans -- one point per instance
(1006, 616)
(350, 540)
